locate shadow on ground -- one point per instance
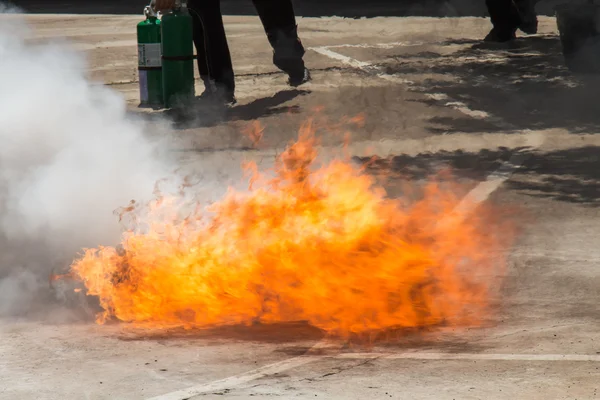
(526, 85)
(267, 333)
(571, 175)
(297, 338)
(205, 115)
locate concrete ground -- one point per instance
(431, 95)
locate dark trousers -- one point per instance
(279, 21)
(214, 59)
(509, 15)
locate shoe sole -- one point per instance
(306, 78)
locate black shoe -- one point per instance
(217, 97)
(300, 78)
(226, 97)
(500, 36)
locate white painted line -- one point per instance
(463, 108)
(390, 45)
(365, 66)
(340, 57)
(237, 380)
(472, 356)
(482, 191)
(368, 67)
(475, 114)
(275, 368)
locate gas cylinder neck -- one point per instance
(177, 7)
(149, 12)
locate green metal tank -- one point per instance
(177, 57)
(149, 61)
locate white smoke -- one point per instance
(69, 156)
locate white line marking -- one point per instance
(379, 45)
(472, 356)
(237, 380)
(368, 67)
(340, 57)
(365, 66)
(463, 108)
(482, 191)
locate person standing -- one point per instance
(214, 58)
(213, 55)
(507, 16)
(279, 22)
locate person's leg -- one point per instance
(528, 21)
(504, 18)
(201, 54)
(215, 49)
(279, 22)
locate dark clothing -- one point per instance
(503, 14)
(214, 58)
(509, 15)
(279, 21)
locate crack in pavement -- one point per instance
(339, 370)
(251, 75)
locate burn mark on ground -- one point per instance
(222, 393)
(262, 333)
(294, 350)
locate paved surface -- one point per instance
(431, 95)
(305, 8)
(308, 8)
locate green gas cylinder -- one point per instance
(149, 61)
(177, 57)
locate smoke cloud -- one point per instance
(69, 156)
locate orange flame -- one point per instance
(324, 246)
(254, 132)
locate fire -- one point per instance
(323, 245)
(254, 132)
